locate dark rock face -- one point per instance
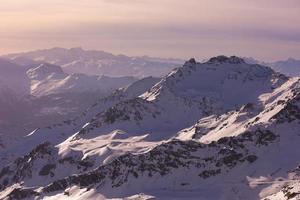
(288, 193)
(131, 110)
(208, 173)
(291, 110)
(192, 61)
(25, 167)
(225, 59)
(265, 137)
(19, 193)
(47, 169)
(221, 156)
(22, 167)
(251, 158)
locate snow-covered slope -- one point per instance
(222, 129)
(77, 60)
(60, 131)
(49, 79)
(45, 94)
(289, 67)
(253, 164)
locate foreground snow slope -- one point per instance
(187, 137)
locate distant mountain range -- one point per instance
(91, 62)
(289, 67)
(215, 130)
(49, 79)
(43, 94)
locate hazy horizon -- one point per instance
(266, 30)
(142, 55)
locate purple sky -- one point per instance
(265, 29)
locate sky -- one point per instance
(268, 30)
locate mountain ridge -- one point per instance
(78, 60)
(214, 130)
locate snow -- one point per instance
(76, 193)
(49, 79)
(57, 133)
(223, 121)
(289, 67)
(44, 94)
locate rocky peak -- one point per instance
(225, 59)
(192, 61)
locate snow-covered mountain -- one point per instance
(45, 94)
(77, 60)
(289, 67)
(49, 79)
(223, 129)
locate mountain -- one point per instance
(49, 79)
(26, 63)
(14, 89)
(13, 77)
(223, 129)
(77, 60)
(58, 131)
(45, 94)
(289, 67)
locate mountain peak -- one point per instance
(233, 77)
(225, 59)
(44, 70)
(192, 61)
